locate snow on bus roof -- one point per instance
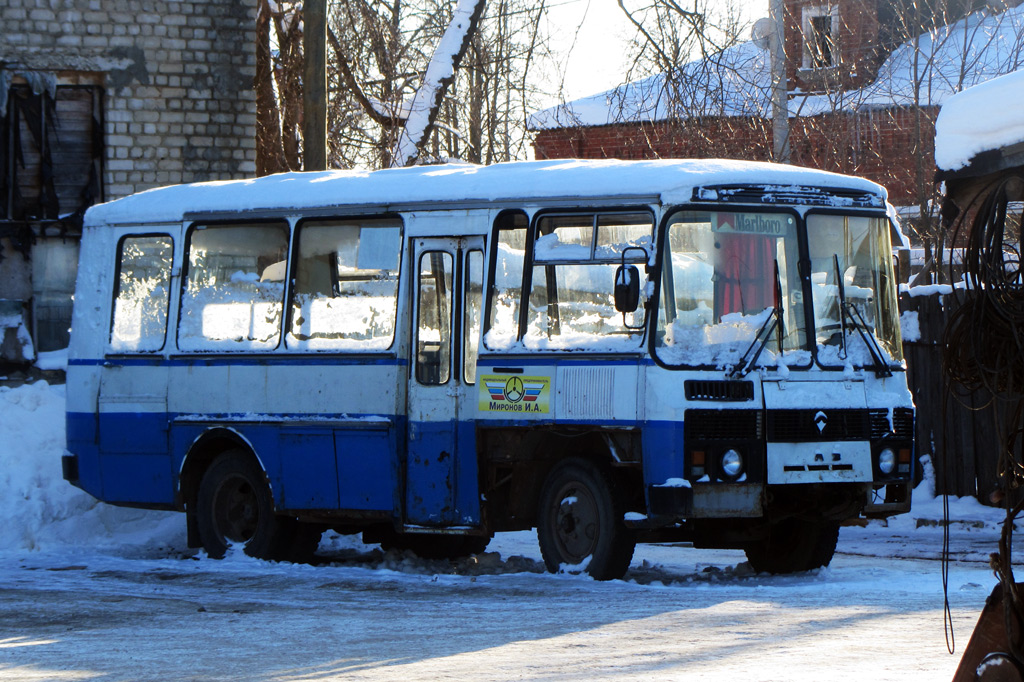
(671, 180)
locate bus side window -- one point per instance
(507, 279)
(234, 289)
(143, 293)
(575, 257)
(433, 327)
(346, 285)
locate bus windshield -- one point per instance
(853, 290)
(727, 276)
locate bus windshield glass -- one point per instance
(727, 277)
(853, 290)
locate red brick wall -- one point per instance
(879, 145)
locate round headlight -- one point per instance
(886, 461)
(732, 463)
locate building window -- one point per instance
(51, 151)
(820, 27)
(51, 156)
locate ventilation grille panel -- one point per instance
(720, 391)
(586, 392)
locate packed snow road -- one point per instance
(92, 592)
(363, 615)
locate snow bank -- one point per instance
(40, 509)
(979, 119)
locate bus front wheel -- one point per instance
(234, 506)
(580, 522)
(794, 545)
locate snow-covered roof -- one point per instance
(985, 117)
(672, 181)
(973, 50)
(737, 82)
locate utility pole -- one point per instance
(314, 85)
(780, 86)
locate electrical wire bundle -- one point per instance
(983, 348)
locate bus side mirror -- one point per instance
(627, 288)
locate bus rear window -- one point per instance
(140, 304)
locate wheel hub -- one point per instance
(576, 524)
(237, 510)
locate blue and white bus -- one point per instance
(610, 352)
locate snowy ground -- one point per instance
(90, 592)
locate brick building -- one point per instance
(862, 100)
(100, 99)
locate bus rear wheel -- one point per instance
(580, 522)
(794, 545)
(234, 506)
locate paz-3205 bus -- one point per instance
(609, 352)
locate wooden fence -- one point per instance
(958, 431)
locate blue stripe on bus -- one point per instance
(313, 460)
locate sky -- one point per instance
(593, 35)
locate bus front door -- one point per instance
(441, 487)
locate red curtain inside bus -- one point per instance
(744, 274)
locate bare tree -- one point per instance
(379, 53)
(939, 48)
(426, 103)
(278, 85)
(382, 53)
(697, 89)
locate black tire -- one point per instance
(792, 546)
(825, 545)
(234, 505)
(580, 518)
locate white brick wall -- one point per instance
(177, 74)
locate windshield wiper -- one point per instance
(774, 322)
(849, 310)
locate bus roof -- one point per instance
(517, 183)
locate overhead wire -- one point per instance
(983, 351)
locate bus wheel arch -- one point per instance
(234, 505)
(201, 455)
(518, 462)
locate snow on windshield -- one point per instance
(720, 287)
(720, 345)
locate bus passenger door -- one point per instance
(441, 485)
